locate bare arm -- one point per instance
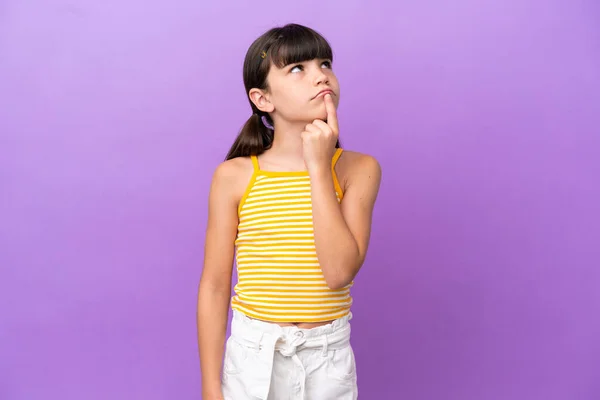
(342, 231)
(215, 284)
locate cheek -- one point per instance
(333, 79)
(337, 90)
(287, 97)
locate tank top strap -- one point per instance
(336, 182)
(336, 156)
(255, 163)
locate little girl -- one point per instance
(295, 211)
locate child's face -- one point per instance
(294, 90)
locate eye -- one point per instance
(297, 68)
(327, 64)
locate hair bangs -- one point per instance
(297, 44)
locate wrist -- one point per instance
(318, 170)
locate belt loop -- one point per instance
(325, 344)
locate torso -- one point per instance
(244, 171)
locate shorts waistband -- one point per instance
(289, 339)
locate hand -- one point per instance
(319, 138)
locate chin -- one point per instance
(310, 114)
(319, 114)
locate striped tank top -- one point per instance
(279, 276)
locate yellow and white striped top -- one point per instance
(279, 276)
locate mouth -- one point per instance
(322, 93)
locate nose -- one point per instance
(321, 77)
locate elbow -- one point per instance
(339, 280)
(214, 292)
(336, 285)
(340, 272)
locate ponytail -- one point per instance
(253, 139)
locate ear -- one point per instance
(261, 100)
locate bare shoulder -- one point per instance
(232, 177)
(234, 169)
(356, 167)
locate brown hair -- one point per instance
(281, 46)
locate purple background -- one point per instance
(482, 280)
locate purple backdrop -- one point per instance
(483, 276)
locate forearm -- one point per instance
(212, 327)
(337, 249)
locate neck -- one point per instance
(287, 142)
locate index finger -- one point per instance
(331, 113)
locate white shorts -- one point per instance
(270, 362)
